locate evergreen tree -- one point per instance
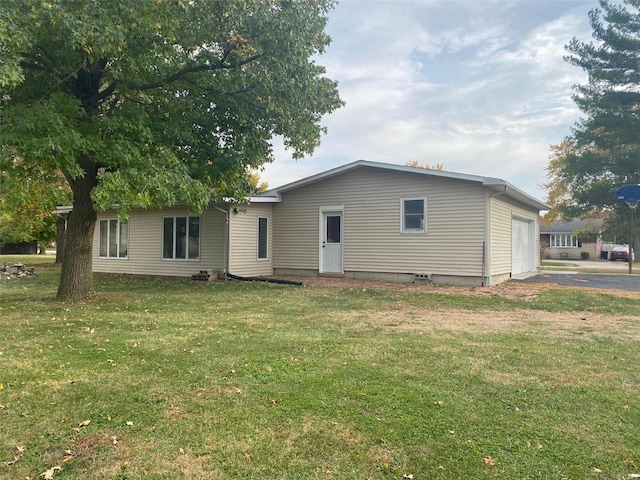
(603, 151)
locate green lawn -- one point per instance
(168, 379)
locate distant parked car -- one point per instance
(620, 253)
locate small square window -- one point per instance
(414, 215)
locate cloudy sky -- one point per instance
(477, 86)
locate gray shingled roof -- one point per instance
(591, 224)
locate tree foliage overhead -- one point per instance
(162, 101)
(603, 152)
(158, 102)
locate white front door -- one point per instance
(331, 242)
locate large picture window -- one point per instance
(181, 238)
(413, 215)
(263, 235)
(114, 239)
(564, 240)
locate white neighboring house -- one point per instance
(361, 220)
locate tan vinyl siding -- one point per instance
(503, 209)
(373, 241)
(145, 245)
(500, 257)
(243, 244)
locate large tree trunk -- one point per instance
(61, 230)
(76, 277)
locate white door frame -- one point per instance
(323, 211)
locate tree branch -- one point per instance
(106, 92)
(191, 70)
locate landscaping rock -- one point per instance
(16, 270)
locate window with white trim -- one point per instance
(263, 235)
(413, 215)
(564, 240)
(113, 239)
(181, 238)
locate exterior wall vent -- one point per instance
(422, 278)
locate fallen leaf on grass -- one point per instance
(129, 424)
(48, 475)
(538, 446)
(489, 461)
(84, 424)
(18, 456)
(634, 475)
(596, 470)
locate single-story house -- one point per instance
(572, 240)
(365, 220)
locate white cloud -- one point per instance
(478, 86)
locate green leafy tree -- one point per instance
(256, 185)
(603, 152)
(157, 102)
(27, 198)
(564, 192)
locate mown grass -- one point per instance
(210, 380)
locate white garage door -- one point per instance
(522, 247)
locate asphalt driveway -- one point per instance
(588, 280)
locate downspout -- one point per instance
(486, 245)
(226, 235)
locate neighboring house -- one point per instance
(574, 240)
(362, 220)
